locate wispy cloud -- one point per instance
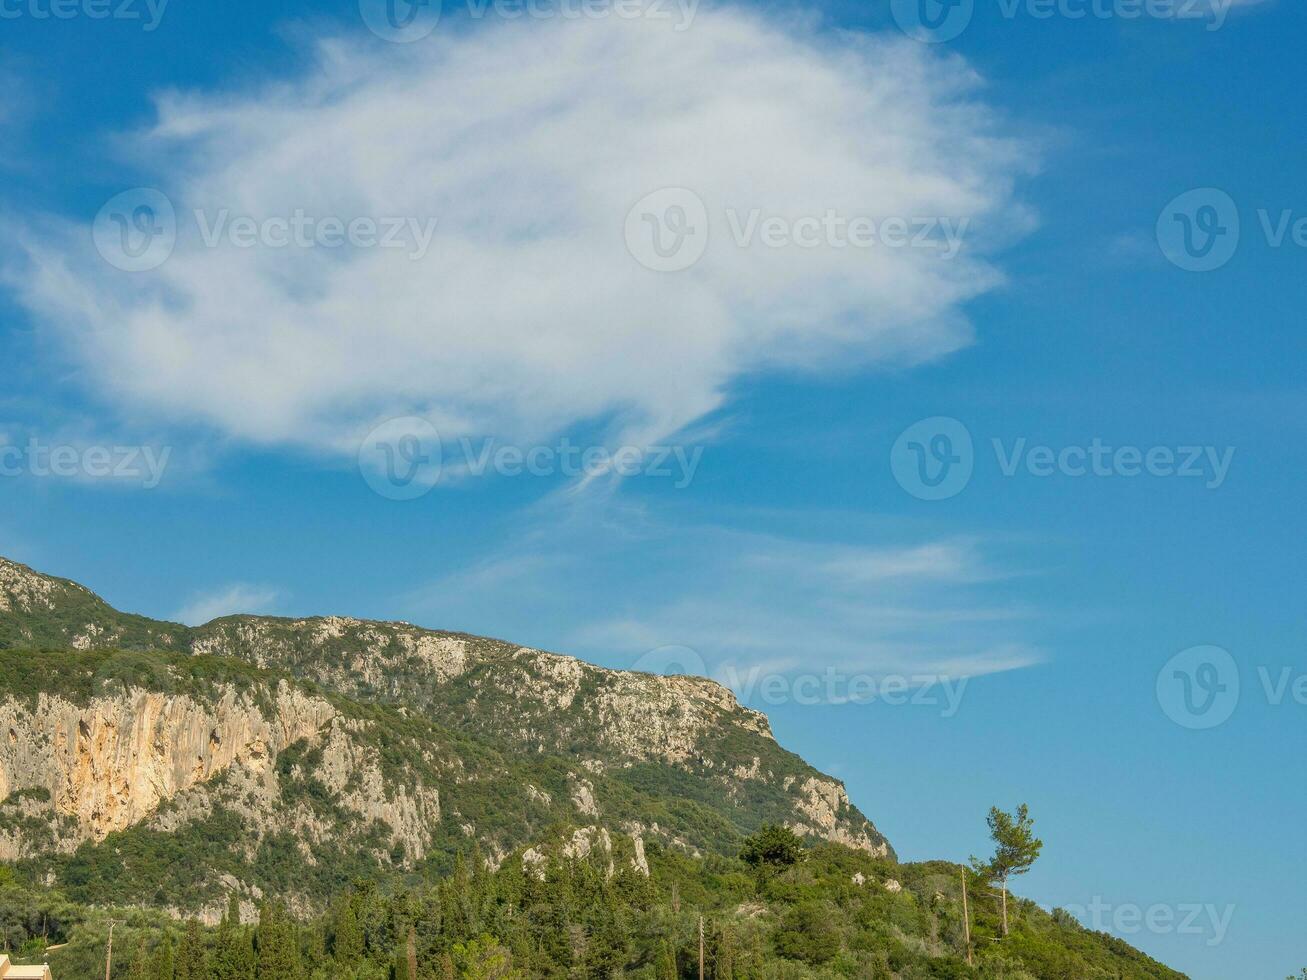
(228, 600)
(527, 314)
(615, 582)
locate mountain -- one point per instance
(289, 756)
(432, 804)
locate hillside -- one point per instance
(570, 907)
(431, 804)
(337, 747)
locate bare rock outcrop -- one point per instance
(108, 764)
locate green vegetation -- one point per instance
(489, 792)
(810, 918)
(68, 615)
(80, 675)
(508, 747)
(772, 849)
(1016, 848)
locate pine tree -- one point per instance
(485, 959)
(607, 945)
(1016, 849)
(457, 903)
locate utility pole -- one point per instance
(108, 952)
(700, 947)
(966, 917)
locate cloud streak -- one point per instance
(229, 600)
(741, 600)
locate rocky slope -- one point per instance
(290, 754)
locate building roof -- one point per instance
(11, 971)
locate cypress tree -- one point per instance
(277, 945)
(161, 962)
(667, 964)
(233, 956)
(724, 956)
(139, 969)
(347, 946)
(191, 960)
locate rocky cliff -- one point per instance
(295, 752)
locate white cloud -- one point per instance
(528, 142)
(226, 601)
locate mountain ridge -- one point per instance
(323, 734)
(464, 792)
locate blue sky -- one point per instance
(769, 518)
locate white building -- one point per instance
(8, 971)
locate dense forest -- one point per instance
(779, 910)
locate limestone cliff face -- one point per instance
(519, 691)
(338, 651)
(826, 813)
(348, 737)
(633, 716)
(22, 591)
(107, 765)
